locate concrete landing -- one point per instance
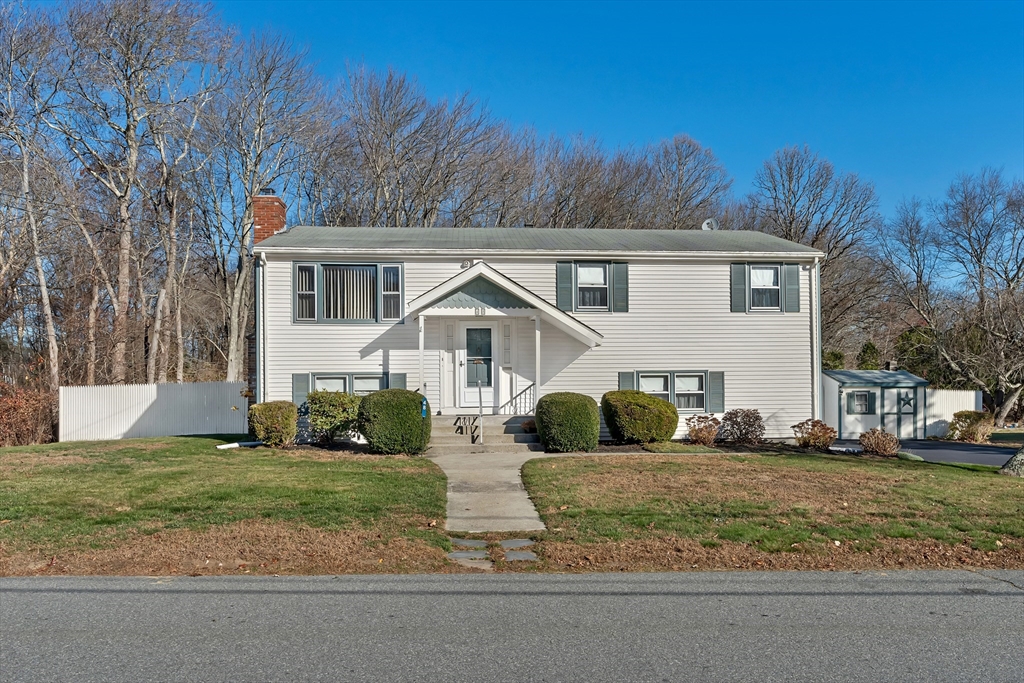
(486, 493)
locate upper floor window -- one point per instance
(592, 286)
(348, 292)
(765, 291)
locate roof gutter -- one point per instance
(810, 256)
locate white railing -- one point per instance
(520, 404)
(124, 411)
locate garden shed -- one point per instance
(854, 401)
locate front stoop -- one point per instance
(460, 435)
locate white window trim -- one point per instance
(856, 403)
(607, 286)
(672, 387)
(703, 391)
(750, 288)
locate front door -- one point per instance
(906, 402)
(476, 367)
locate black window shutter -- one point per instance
(563, 285)
(716, 392)
(627, 380)
(872, 398)
(396, 380)
(791, 277)
(850, 405)
(738, 287)
(620, 287)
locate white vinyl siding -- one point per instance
(766, 359)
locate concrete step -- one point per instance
(488, 420)
(469, 449)
(491, 437)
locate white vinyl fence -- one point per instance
(124, 411)
(942, 403)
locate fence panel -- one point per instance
(125, 411)
(942, 403)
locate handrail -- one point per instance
(480, 404)
(515, 405)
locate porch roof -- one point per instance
(469, 284)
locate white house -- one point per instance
(497, 317)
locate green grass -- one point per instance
(775, 502)
(94, 493)
(676, 447)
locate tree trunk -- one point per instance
(44, 292)
(118, 362)
(94, 306)
(1009, 401)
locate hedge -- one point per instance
(274, 423)
(636, 417)
(332, 413)
(972, 426)
(568, 422)
(392, 422)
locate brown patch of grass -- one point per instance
(687, 554)
(244, 547)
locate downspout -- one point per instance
(261, 329)
(818, 387)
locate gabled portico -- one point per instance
(483, 315)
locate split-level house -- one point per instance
(491, 319)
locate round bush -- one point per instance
(274, 423)
(392, 422)
(878, 442)
(568, 422)
(742, 425)
(814, 434)
(635, 417)
(972, 426)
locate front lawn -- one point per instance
(773, 510)
(170, 505)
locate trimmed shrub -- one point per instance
(743, 425)
(26, 416)
(814, 434)
(332, 413)
(635, 417)
(568, 422)
(972, 426)
(392, 422)
(877, 442)
(703, 429)
(274, 423)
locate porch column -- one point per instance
(423, 382)
(536, 363)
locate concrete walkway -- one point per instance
(486, 493)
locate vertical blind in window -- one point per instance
(391, 293)
(350, 292)
(305, 292)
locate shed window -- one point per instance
(765, 293)
(861, 402)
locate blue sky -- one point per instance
(905, 94)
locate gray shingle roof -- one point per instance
(876, 378)
(530, 239)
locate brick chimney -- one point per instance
(268, 215)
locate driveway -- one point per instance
(949, 451)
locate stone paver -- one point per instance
(469, 543)
(516, 543)
(468, 555)
(520, 556)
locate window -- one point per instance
(765, 293)
(592, 286)
(686, 390)
(391, 293)
(689, 392)
(366, 293)
(362, 385)
(861, 403)
(655, 385)
(330, 383)
(305, 293)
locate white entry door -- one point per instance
(476, 370)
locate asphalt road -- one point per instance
(743, 626)
(949, 451)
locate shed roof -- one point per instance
(876, 378)
(531, 239)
